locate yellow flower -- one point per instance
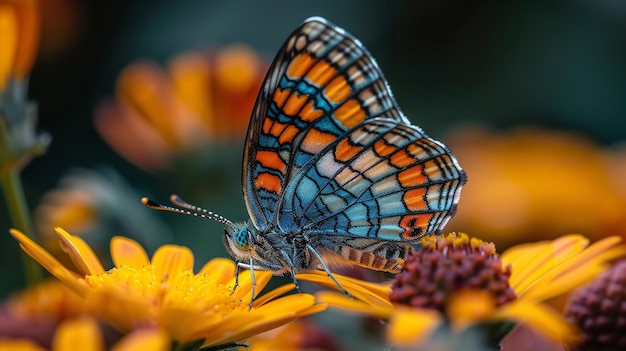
(199, 100)
(456, 282)
(19, 38)
(84, 334)
(165, 293)
(533, 184)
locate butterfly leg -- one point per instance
(237, 266)
(330, 275)
(251, 267)
(293, 271)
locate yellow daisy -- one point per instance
(456, 284)
(163, 292)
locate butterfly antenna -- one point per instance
(187, 209)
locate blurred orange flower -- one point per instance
(19, 38)
(199, 99)
(535, 184)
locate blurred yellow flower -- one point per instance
(457, 282)
(165, 293)
(92, 204)
(534, 184)
(198, 100)
(50, 298)
(19, 38)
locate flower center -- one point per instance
(181, 290)
(448, 264)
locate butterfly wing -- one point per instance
(384, 179)
(322, 84)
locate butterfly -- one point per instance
(333, 171)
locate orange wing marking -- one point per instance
(383, 149)
(300, 65)
(414, 199)
(411, 177)
(401, 159)
(268, 182)
(315, 141)
(321, 73)
(350, 113)
(271, 160)
(294, 104)
(414, 225)
(309, 113)
(345, 151)
(280, 96)
(337, 90)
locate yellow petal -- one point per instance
(409, 327)
(144, 339)
(540, 318)
(78, 334)
(374, 294)
(222, 270)
(191, 78)
(470, 306)
(8, 43)
(577, 270)
(268, 316)
(119, 308)
(169, 260)
(340, 300)
(183, 323)
(81, 254)
(535, 260)
(128, 252)
(145, 86)
(244, 289)
(29, 30)
(19, 345)
(269, 296)
(380, 290)
(50, 263)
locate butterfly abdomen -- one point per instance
(372, 261)
(376, 254)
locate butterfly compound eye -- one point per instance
(241, 239)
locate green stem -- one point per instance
(16, 202)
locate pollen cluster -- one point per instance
(448, 264)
